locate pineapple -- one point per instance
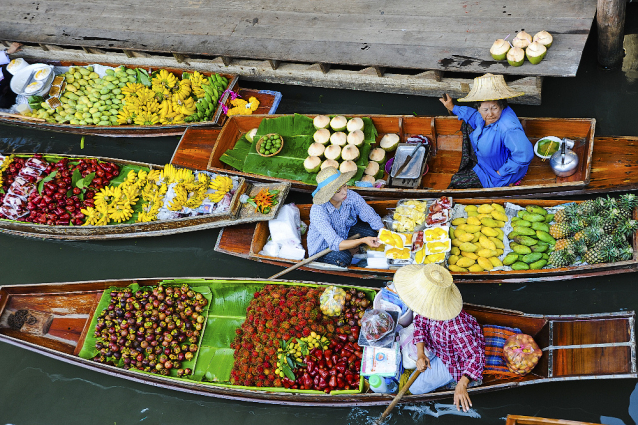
(627, 204)
(561, 258)
(625, 253)
(588, 208)
(561, 244)
(626, 228)
(564, 229)
(602, 251)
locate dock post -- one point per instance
(610, 20)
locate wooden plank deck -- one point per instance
(454, 35)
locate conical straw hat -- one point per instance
(429, 291)
(490, 87)
(329, 180)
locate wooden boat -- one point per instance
(446, 138)
(573, 345)
(248, 240)
(269, 101)
(237, 214)
(532, 420)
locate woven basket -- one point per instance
(261, 140)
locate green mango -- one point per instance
(110, 72)
(549, 218)
(84, 71)
(524, 223)
(526, 231)
(535, 209)
(545, 256)
(510, 259)
(511, 235)
(519, 265)
(533, 257)
(525, 240)
(515, 219)
(533, 217)
(540, 226)
(545, 237)
(130, 71)
(537, 265)
(521, 249)
(540, 247)
(104, 123)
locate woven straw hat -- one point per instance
(429, 291)
(329, 180)
(490, 87)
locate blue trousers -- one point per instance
(344, 258)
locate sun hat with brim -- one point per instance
(490, 87)
(329, 180)
(429, 291)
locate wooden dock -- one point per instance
(328, 43)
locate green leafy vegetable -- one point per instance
(45, 180)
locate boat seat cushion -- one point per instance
(495, 337)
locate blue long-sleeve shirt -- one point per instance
(330, 226)
(501, 147)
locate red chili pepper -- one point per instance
(333, 382)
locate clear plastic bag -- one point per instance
(521, 353)
(376, 324)
(332, 300)
(37, 164)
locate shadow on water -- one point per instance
(39, 390)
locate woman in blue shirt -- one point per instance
(495, 152)
(337, 214)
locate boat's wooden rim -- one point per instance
(532, 420)
(260, 232)
(540, 326)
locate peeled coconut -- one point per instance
(522, 40)
(544, 38)
(499, 49)
(350, 153)
(355, 124)
(339, 138)
(372, 169)
(321, 121)
(333, 152)
(339, 123)
(330, 163)
(316, 149)
(347, 166)
(535, 52)
(322, 136)
(312, 164)
(368, 179)
(355, 138)
(251, 135)
(516, 56)
(389, 142)
(377, 155)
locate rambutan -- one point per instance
(277, 383)
(306, 332)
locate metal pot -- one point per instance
(564, 162)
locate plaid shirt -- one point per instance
(330, 226)
(459, 343)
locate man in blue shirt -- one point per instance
(337, 214)
(495, 152)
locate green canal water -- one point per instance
(38, 390)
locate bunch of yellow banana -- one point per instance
(154, 196)
(169, 114)
(170, 174)
(198, 191)
(180, 199)
(163, 79)
(197, 80)
(222, 185)
(182, 90)
(5, 164)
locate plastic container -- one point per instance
(17, 65)
(23, 108)
(379, 384)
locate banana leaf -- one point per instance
(297, 131)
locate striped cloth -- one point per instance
(495, 337)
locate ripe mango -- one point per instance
(470, 208)
(485, 263)
(485, 209)
(498, 207)
(474, 221)
(472, 228)
(459, 231)
(498, 215)
(475, 268)
(486, 253)
(500, 232)
(499, 252)
(466, 237)
(495, 262)
(476, 237)
(497, 242)
(486, 243)
(453, 259)
(490, 222)
(471, 255)
(465, 262)
(455, 268)
(472, 213)
(455, 250)
(452, 233)
(458, 221)
(489, 231)
(456, 242)
(467, 247)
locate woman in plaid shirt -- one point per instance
(450, 342)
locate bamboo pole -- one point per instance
(610, 21)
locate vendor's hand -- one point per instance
(461, 398)
(422, 363)
(14, 48)
(446, 100)
(371, 241)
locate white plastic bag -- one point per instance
(285, 226)
(408, 348)
(271, 249)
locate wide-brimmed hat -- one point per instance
(429, 291)
(329, 180)
(490, 87)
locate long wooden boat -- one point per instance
(446, 138)
(532, 420)
(247, 242)
(269, 101)
(573, 345)
(238, 213)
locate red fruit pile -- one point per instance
(336, 368)
(59, 203)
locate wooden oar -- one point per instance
(20, 116)
(397, 398)
(308, 260)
